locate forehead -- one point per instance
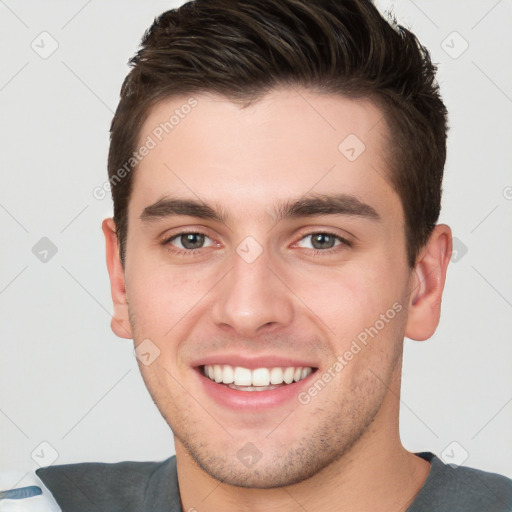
(289, 143)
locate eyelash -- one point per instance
(182, 252)
(194, 252)
(332, 250)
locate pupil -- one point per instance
(323, 241)
(192, 240)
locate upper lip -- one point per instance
(245, 361)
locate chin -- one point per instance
(271, 471)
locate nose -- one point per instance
(252, 298)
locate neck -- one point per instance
(377, 473)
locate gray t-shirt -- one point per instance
(153, 486)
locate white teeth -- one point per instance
(243, 376)
(257, 378)
(305, 372)
(228, 374)
(276, 376)
(251, 388)
(260, 377)
(288, 375)
(217, 373)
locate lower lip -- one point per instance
(252, 400)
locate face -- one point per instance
(265, 245)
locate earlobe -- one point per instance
(427, 284)
(120, 322)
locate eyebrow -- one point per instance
(306, 206)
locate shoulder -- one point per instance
(460, 488)
(123, 486)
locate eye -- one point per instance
(322, 241)
(189, 241)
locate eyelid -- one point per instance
(183, 252)
(166, 239)
(337, 241)
(179, 235)
(313, 230)
(173, 233)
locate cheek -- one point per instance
(350, 298)
(160, 296)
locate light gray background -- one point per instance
(66, 380)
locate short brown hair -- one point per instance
(242, 49)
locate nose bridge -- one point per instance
(251, 296)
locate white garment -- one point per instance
(42, 503)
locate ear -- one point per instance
(120, 322)
(427, 284)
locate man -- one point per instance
(276, 172)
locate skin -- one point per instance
(343, 447)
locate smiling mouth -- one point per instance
(258, 379)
